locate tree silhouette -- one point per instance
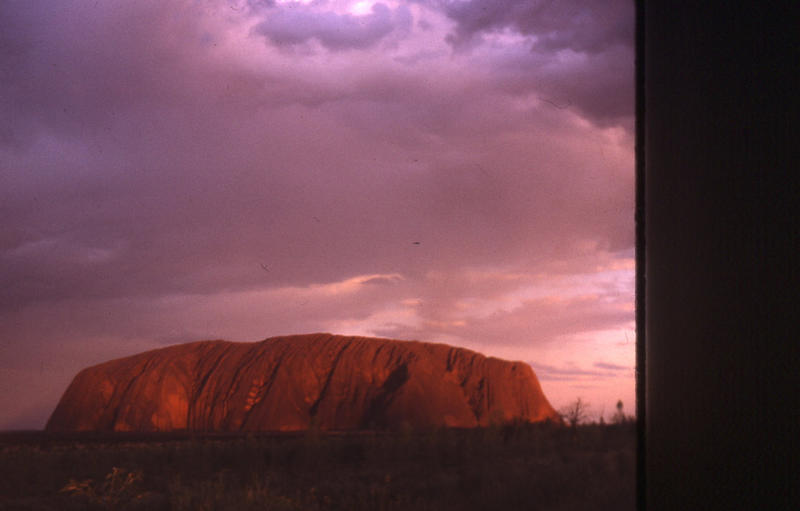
(619, 417)
(576, 412)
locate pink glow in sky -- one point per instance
(455, 171)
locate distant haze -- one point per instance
(455, 171)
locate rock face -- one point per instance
(293, 383)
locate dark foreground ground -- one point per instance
(523, 467)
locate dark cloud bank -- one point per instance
(333, 30)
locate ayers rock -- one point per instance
(291, 383)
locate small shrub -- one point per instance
(119, 487)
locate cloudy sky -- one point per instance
(456, 171)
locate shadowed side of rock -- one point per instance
(297, 382)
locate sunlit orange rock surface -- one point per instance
(297, 382)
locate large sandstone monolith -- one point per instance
(289, 383)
